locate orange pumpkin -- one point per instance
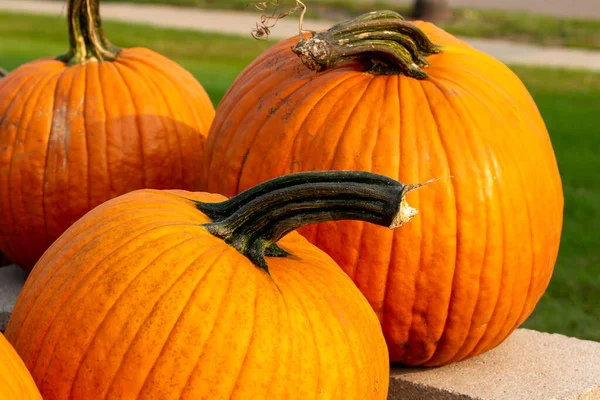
(15, 381)
(85, 127)
(167, 295)
(389, 100)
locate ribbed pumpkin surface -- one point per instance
(15, 381)
(138, 301)
(72, 137)
(471, 267)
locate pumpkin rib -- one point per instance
(534, 261)
(259, 118)
(319, 297)
(359, 235)
(470, 122)
(103, 144)
(343, 129)
(285, 362)
(42, 81)
(501, 207)
(417, 171)
(317, 360)
(390, 265)
(145, 320)
(248, 78)
(147, 82)
(511, 287)
(153, 78)
(502, 333)
(462, 116)
(177, 129)
(316, 102)
(21, 85)
(503, 283)
(344, 132)
(77, 290)
(81, 292)
(131, 100)
(215, 323)
(194, 293)
(59, 137)
(263, 119)
(347, 332)
(402, 117)
(85, 117)
(148, 60)
(403, 86)
(388, 86)
(248, 346)
(460, 349)
(122, 112)
(33, 278)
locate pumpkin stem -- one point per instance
(254, 220)
(86, 35)
(3, 73)
(382, 41)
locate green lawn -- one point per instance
(568, 102)
(512, 25)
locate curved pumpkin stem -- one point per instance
(382, 40)
(254, 220)
(86, 35)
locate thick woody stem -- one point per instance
(86, 35)
(381, 40)
(257, 218)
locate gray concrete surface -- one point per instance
(241, 23)
(12, 279)
(529, 365)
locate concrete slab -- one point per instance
(529, 365)
(12, 279)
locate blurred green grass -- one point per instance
(497, 24)
(568, 101)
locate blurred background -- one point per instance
(553, 45)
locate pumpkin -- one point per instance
(15, 381)
(167, 294)
(88, 126)
(411, 102)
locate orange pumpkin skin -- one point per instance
(137, 300)
(15, 381)
(72, 137)
(460, 280)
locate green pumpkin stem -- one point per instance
(254, 220)
(86, 36)
(382, 41)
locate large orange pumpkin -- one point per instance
(143, 297)
(15, 381)
(390, 101)
(95, 123)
